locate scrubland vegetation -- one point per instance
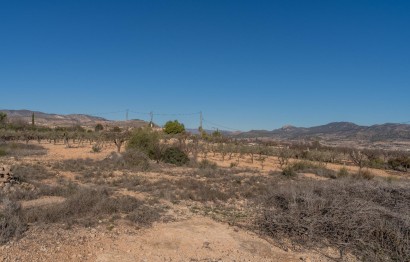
(356, 212)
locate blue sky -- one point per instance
(244, 64)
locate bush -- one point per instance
(136, 158)
(144, 215)
(98, 128)
(11, 224)
(96, 148)
(84, 207)
(206, 164)
(174, 127)
(365, 174)
(343, 172)
(289, 172)
(399, 163)
(146, 141)
(233, 164)
(174, 155)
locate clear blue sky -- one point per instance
(245, 64)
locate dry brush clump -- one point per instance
(20, 149)
(11, 223)
(371, 219)
(308, 167)
(93, 170)
(28, 184)
(86, 206)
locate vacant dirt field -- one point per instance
(160, 213)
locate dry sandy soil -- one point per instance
(187, 237)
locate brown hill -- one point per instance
(52, 120)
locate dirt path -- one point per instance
(195, 239)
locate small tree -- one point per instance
(174, 127)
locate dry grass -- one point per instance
(369, 218)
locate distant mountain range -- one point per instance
(46, 119)
(336, 130)
(332, 131)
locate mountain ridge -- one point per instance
(336, 130)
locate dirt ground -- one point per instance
(188, 237)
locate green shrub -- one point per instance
(174, 155)
(146, 141)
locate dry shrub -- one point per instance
(145, 215)
(11, 224)
(206, 164)
(127, 181)
(364, 174)
(221, 185)
(133, 159)
(343, 172)
(84, 207)
(21, 149)
(309, 167)
(19, 192)
(184, 189)
(29, 173)
(130, 160)
(289, 172)
(369, 218)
